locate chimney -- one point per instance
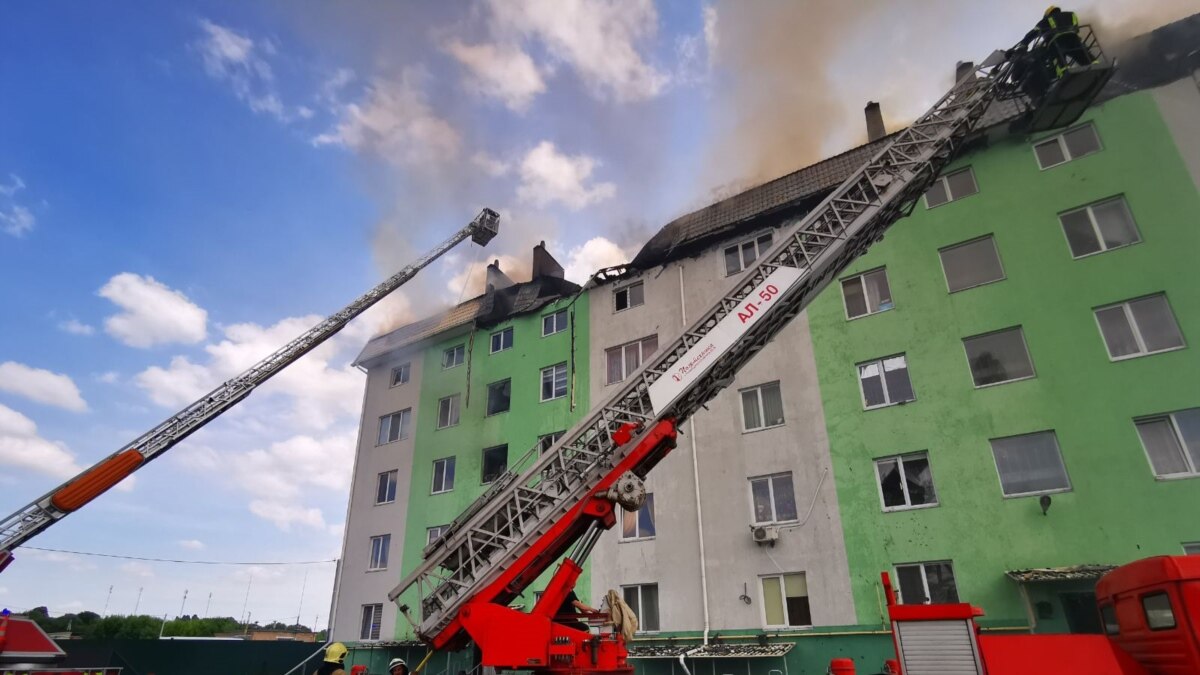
(875, 128)
(544, 264)
(497, 280)
(962, 68)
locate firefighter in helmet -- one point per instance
(335, 655)
(397, 667)
(1059, 34)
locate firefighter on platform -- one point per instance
(572, 605)
(397, 667)
(1058, 32)
(335, 655)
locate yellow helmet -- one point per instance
(335, 653)
(1050, 10)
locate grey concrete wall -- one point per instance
(727, 458)
(365, 519)
(1179, 104)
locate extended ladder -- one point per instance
(508, 520)
(91, 483)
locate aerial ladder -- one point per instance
(566, 495)
(69, 497)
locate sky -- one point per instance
(184, 187)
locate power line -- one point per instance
(184, 562)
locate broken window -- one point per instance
(1139, 327)
(639, 524)
(394, 427)
(623, 360)
(1172, 442)
(970, 264)
(867, 293)
(905, 481)
(762, 407)
(739, 256)
(1030, 464)
(951, 187)
(926, 582)
(499, 397)
(1099, 227)
(773, 498)
(1072, 144)
(448, 411)
(885, 382)
(629, 296)
(502, 340)
(998, 357)
(785, 600)
(495, 462)
(643, 600)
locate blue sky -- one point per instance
(183, 188)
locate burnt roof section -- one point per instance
(712, 651)
(1163, 55)
(1071, 573)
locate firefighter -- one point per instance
(1059, 35)
(335, 654)
(397, 667)
(572, 605)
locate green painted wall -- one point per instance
(1116, 511)
(520, 427)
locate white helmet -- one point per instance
(397, 662)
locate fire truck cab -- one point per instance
(1151, 609)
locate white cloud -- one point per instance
(395, 122)
(137, 569)
(153, 313)
(549, 176)
(492, 166)
(109, 377)
(192, 544)
(285, 515)
(15, 219)
(710, 32)
(500, 71)
(76, 327)
(21, 446)
(595, 253)
(42, 386)
(697, 53)
(598, 38)
(235, 58)
(3, 590)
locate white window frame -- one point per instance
(641, 607)
(1091, 214)
(862, 394)
(945, 180)
(488, 399)
(405, 416)
(628, 304)
(382, 554)
(642, 355)
(758, 251)
(770, 479)
(1191, 547)
(860, 277)
(1062, 145)
(482, 478)
(375, 625)
(762, 594)
(454, 407)
(907, 505)
(542, 378)
(924, 579)
(758, 398)
(1137, 331)
(1061, 460)
(951, 247)
(404, 369)
(432, 533)
(1021, 331)
(566, 322)
(500, 334)
(392, 477)
(459, 350)
(546, 441)
(1193, 470)
(443, 462)
(638, 536)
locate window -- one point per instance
(774, 499)
(926, 582)
(629, 296)
(1030, 464)
(1191, 548)
(499, 397)
(785, 600)
(453, 356)
(554, 323)
(1172, 442)
(447, 411)
(998, 357)
(554, 382)
(379, 551)
(885, 382)
(502, 340)
(643, 600)
(385, 488)
(970, 264)
(639, 524)
(1108, 617)
(867, 293)
(545, 442)
(762, 407)
(400, 374)
(443, 475)
(1157, 608)
(951, 187)
(624, 360)
(1139, 327)
(1099, 227)
(372, 615)
(905, 482)
(739, 256)
(434, 533)
(394, 427)
(1072, 144)
(495, 462)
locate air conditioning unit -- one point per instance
(764, 534)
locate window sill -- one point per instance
(777, 523)
(431, 494)
(1105, 250)
(402, 438)
(546, 335)
(1176, 476)
(949, 201)
(448, 426)
(985, 283)
(385, 503)
(495, 413)
(989, 385)
(376, 569)
(556, 398)
(1039, 492)
(1128, 357)
(634, 540)
(451, 367)
(863, 316)
(618, 311)
(918, 507)
(758, 429)
(888, 405)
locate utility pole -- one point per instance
(139, 600)
(181, 605)
(247, 602)
(104, 612)
(163, 627)
(208, 604)
(303, 585)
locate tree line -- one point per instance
(143, 627)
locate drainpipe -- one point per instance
(699, 509)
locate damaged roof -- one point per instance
(711, 651)
(1069, 573)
